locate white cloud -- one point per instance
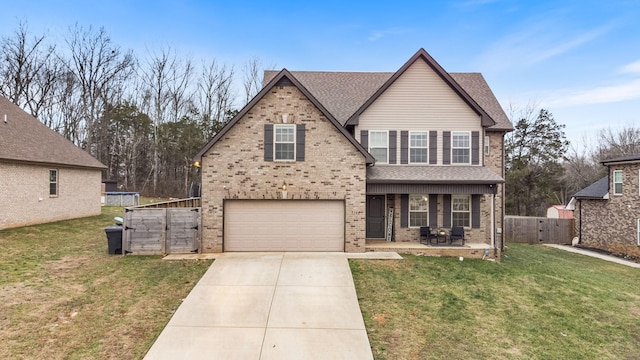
(633, 68)
(379, 34)
(628, 90)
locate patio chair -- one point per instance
(457, 233)
(425, 231)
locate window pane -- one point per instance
(418, 139)
(53, 175)
(377, 139)
(617, 176)
(418, 202)
(418, 155)
(618, 188)
(460, 156)
(460, 204)
(460, 140)
(284, 151)
(418, 219)
(380, 154)
(461, 219)
(284, 134)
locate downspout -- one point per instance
(493, 222)
(580, 225)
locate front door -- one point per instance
(375, 216)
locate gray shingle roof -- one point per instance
(597, 190)
(25, 139)
(343, 93)
(621, 159)
(432, 174)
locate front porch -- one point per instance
(469, 250)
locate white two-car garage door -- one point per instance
(283, 225)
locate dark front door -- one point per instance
(375, 216)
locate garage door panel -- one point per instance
(283, 225)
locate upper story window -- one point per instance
(460, 148)
(487, 148)
(617, 182)
(284, 141)
(53, 182)
(379, 146)
(461, 210)
(418, 147)
(418, 210)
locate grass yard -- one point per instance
(63, 297)
(538, 303)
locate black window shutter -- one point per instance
(446, 147)
(404, 210)
(433, 210)
(364, 139)
(475, 148)
(300, 142)
(446, 210)
(404, 147)
(433, 147)
(393, 144)
(475, 211)
(268, 142)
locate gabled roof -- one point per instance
(597, 190)
(623, 159)
(432, 174)
(284, 77)
(344, 93)
(424, 56)
(25, 139)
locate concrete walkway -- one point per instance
(596, 255)
(269, 306)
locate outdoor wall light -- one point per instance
(284, 186)
(196, 164)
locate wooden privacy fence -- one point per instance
(538, 230)
(162, 228)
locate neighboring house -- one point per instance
(607, 212)
(320, 161)
(43, 176)
(559, 212)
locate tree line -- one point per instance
(144, 117)
(542, 168)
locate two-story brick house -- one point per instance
(607, 212)
(329, 160)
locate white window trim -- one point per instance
(468, 197)
(426, 147)
(386, 136)
(468, 133)
(621, 183)
(292, 126)
(638, 232)
(487, 147)
(415, 211)
(57, 182)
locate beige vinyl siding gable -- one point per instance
(420, 100)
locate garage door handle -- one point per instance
(195, 227)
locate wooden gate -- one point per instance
(538, 230)
(151, 230)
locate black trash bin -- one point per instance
(114, 238)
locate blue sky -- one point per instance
(579, 59)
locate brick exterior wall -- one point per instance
(612, 224)
(25, 200)
(234, 167)
(495, 162)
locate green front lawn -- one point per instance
(63, 297)
(538, 303)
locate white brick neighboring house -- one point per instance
(43, 176)
(319, 161)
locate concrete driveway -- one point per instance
(269, 306)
